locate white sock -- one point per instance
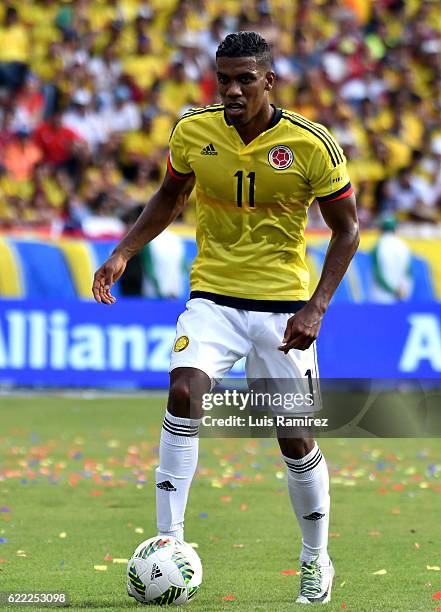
(308, 485)
(178, 457)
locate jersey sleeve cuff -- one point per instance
(344, 192)
(175, 174)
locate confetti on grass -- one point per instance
(290, 572)
(100, 568)
(120, 560)
(62, 535)
(228, 598)
(380, 572)
(433, 568)
(139, 530)
(3, 540)
(437, 595)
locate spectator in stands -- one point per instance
(82, 120)
(14, 51)
(61, 146)
(20, 155)
(29, 104)
(123, 115)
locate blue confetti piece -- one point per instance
(3, 540)
(24, 482)
(5, 509)
(203, 515)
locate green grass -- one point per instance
(85, 467)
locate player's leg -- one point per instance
(209, 341)
(178, 448)
(308, 487)
(308, 479)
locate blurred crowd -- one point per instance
(90, 89)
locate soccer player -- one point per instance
(256, 169)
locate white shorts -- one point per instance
(212, 338)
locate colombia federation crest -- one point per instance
(280, 157)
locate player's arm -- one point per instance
(341, 217)
(159, 212)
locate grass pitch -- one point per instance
(77, 493)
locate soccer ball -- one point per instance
(164, 571)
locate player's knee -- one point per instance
(295, 448)
(179, 397)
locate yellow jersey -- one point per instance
(252, 202)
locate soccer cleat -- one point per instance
(315, 583)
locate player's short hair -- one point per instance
(246, 44)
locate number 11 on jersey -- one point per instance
(252, 178)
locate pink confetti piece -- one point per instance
(225, 499)
(290, 572)
(398, 487)
(228, 598)
(96, 493)
(396, 511)
(244, 507)
(344, 606)
(108, 558)
(3, 561)
(437, 595)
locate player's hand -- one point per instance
(106, 276)
(302, 329)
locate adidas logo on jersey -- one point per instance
(166, 486)
(209, 150)
(156, 572)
